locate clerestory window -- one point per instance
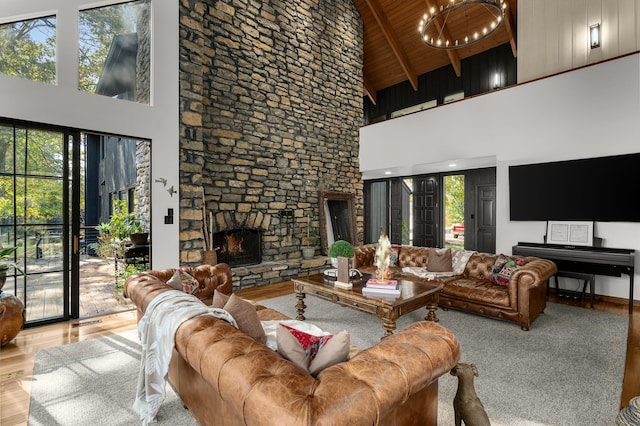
(28, 49)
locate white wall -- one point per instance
(64, 105)
(586, 113)
(553, 35)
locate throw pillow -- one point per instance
(246, 317)
(334, 351)
(181, 280)
(439, 260)
(503, 268)
(219, 299)
(290, 348)
(497, 267)
(393, 255)
(311, 352)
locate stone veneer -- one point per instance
(270, 110)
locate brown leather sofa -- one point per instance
(224, 377)
(521, 301)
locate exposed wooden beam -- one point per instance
(392, 39)
(510, 25)
(370, 91)
(454, 58)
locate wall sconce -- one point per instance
(594, 35)
(496, 80)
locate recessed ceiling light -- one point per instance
(452, 164)
(387, 173)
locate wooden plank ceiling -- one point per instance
(394, 52)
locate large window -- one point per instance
(114, 51)
(28, 49)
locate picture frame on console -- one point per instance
(570, 233)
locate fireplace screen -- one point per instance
(238, 247)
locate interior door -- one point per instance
(486, 218)
(426, 209)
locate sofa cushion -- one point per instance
(246, 317)
(439, 260)
(476, 290)
(181, 280)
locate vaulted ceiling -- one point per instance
(394, 51)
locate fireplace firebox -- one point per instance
(238, 247)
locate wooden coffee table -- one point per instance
(414, 296)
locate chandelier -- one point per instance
(461, 23)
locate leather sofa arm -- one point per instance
(364, 255)
(535, 271)
(143, 287)
(261, 387)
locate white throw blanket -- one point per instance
(157, 330)
(459, 260)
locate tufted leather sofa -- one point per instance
(224, 377)
(521, 301)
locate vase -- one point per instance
(12, 317)
(308, 252)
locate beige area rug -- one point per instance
(93, 383)
(567, 370)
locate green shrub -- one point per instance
(341, 248)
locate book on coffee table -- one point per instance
(390, 284)
(369, 291)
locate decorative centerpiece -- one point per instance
(340, 248)
(383, 251)
(342, 251)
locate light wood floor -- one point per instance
(17, 357)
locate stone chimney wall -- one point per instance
(271, 106)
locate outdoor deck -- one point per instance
(97, 291)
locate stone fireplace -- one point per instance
(271, 105)
(238, 247)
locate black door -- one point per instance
(426, 211)
(486, 222)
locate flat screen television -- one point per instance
(605, 189)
